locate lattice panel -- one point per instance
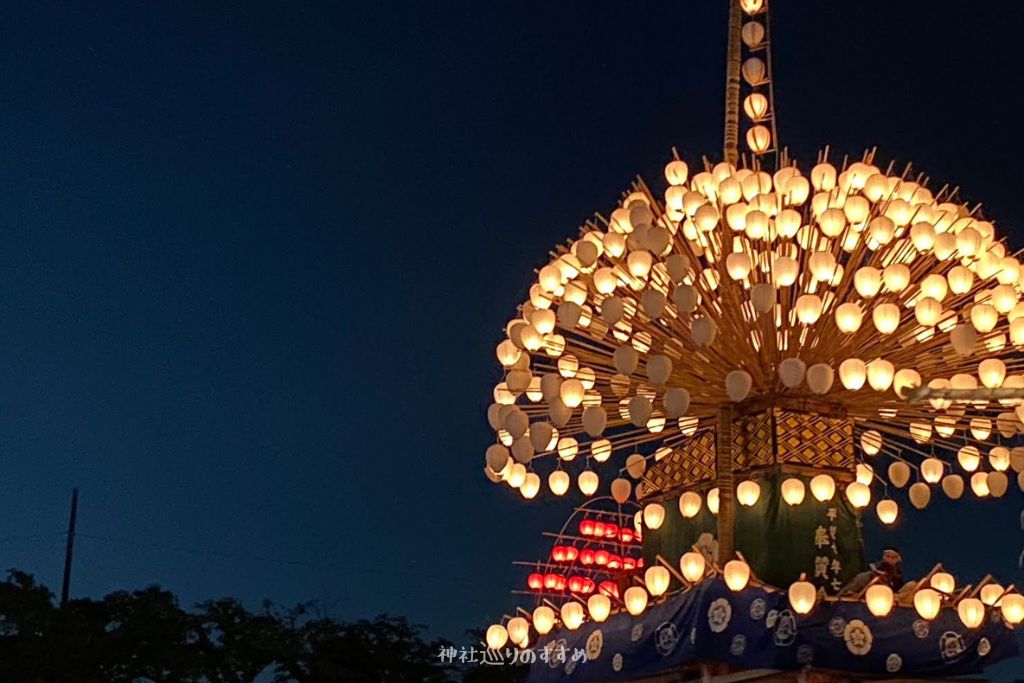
(807, 439)
(692, 463)
(752, 441)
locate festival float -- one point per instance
(729, 370)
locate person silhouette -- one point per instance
(888, 571)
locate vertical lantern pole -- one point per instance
(723, 465)
(732, 86)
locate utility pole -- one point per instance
(69, 552)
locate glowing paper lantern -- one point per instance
(886, 318)
(858, 494)
(879, 599)
(969, 458)
(802, 596)
(748, 492)
(990, 593)
(599, 607)
(927, 603)
(737, 574)
(712, 500)
(497, 636)
(871, 442)
(519, 629)
(543, 619)
(887, 511)
(848, 317)
(943, 582)
(1012, 607)
(998, 458)
(992, 372)
(635, 598)
(516, 476)
(808, 308)
(793, 491)
(571, 392)
(979, 484)
(657, 580)
(588, 482)
(689, 504)
(654, 515)
(971, 612)
(823, 487)
(880, 373)
(530, 486)
(692, 565)
(931, 470)
(572, 615)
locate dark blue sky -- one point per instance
(256, 258)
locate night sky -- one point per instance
(256, 258)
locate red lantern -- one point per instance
(601, 557)
(625, 535)
(587, 556)
(614, 562)
(571, 553)
(611, 530)
(599, 529)
(587, 527)
(535, 581)
(558, 553)
(628, 563)
(608, 588)
(589, 586)
(551, 581)
(639, 563)
(561, 583)
(576, 584)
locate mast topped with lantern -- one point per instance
(751, 360)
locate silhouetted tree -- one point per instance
(506, 672)
(237, 645)
(145, 635)
(384, 649)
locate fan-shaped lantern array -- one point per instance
(852, 292)
(734, 285)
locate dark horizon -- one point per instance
(258, 257)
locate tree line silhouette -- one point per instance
(145, 635)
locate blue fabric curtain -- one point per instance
(756, 628)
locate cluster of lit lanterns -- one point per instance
(938, 590)
(848, 285)
(756, 73)
(933, 593)
(599, 557)
(823, 488)
(557, 583)
(595, 528)
(852, 285)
